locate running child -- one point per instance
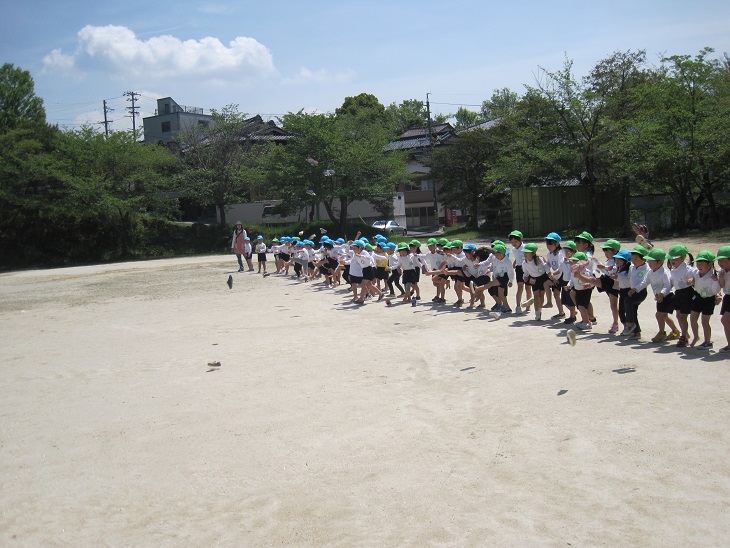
(706, 297)
(661, 284)
(554, 258)
(515, 239)
(261, 253)
(723, 260)
(683, 276)
(563, 280)
(638, 280)
(535, 275)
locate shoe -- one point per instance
(538, 315)
(418, 298)
(681, 342)
(558, 316)
(549, 305)
(230, 282)
(413, 301)
(381, 297)
(494, 308)
(569, 320)
(627, 331)
(496, 315)
(571, 337)
(635, 335)
(506, 310)
(458, 303)
(435, 300)
(659, 337)
(582, 326)
(724, 349)
(593, 320)
(518, 310)
(707, 345)
(528, 302)
(614, 328)
(391, 294)
(673, 335)
(241, 270)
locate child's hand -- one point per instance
(659, 297)
(509, 284)
(690, 281)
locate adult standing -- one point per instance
(237, 244)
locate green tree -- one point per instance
(18, 102)
(350, 147)
(410, 113)
(502, 104)
(223, 161)
(461, 167)
(466, 118)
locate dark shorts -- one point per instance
(310, 265)
(583, 297)
(368, 273)
(355, 279)
(381, 273)
(503, 281)
(443, 277)
(284, 256)
(482, 281)
(565, 297)
(332, 263)
(417, 274)
(538, 284)
(683, 300)
(725, 305)
(262, 257)
(667, 304)
(703, 305)
(409, 276)
(606, 286)
(519, 275)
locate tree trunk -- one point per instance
(222, 208)
(474, 220)
(343, 214)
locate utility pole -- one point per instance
(430, 149)
(133, 110)
(106, 121)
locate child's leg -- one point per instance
(547, 291)
(518, 297)
(613, 302)
(556, 296)
(670, 323)
(417, 290)
(683, 325)
(706, 329)
(694, 316)
(661, 320)
(725, 321)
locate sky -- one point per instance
(271, 58)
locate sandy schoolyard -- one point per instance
(330, 424)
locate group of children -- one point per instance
(563, 278)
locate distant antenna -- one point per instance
(133, 110)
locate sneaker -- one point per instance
(582, 326)
(593, 320)
(724, 349)
(418, 298)
(571, 337)
(635, 335)
(569, 320)
(458, 303)
(627, 331)
(558, 316)
(673, 335)
(435, 300)
(381, 297)
(659, 337)
(528, 302)
(391, 294)
(495, 314)
(706, 345)
(494, 308)
(614, 328)
(681, 342)
(538, 315)
(518, 310)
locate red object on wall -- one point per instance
(449, 214)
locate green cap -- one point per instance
(640, 250)
(612, 244)
(457, 243)
(723, 252)
(529, 248)
(677, 251)
(570, 244)
(656, 254)
(449, 245)
(705, 255)
(580, 256)
(443, 241)
(402, 246)
(500, 248)
(515, 234)
(275, 240)
(432, 241)
(587, 236)
(368, 247)
(415, 242)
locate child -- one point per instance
(638, 280)
(237, 244)
(247, 253)
(621, 277)
(555, 256)
(432, 261)
(409, 266)
(584, 243)
(706, 296)
(581, 281)
(563, 281)
(535, 274)
(261, 253)
(504, 275)
(682, 278)
(394, 278)
(515, 238)
(604, 283)
(661, 284)
(484, 266)
(414, 247)
(723, 259)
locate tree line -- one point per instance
(72, 196)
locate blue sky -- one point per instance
(282, 56)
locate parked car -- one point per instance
(390, 227)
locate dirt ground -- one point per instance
(329, 424)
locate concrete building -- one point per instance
(169, 119)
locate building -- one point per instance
(169, 119)
(420, 198)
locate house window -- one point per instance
(165, 127)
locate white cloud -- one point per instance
(321, 76)
(117, 50)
